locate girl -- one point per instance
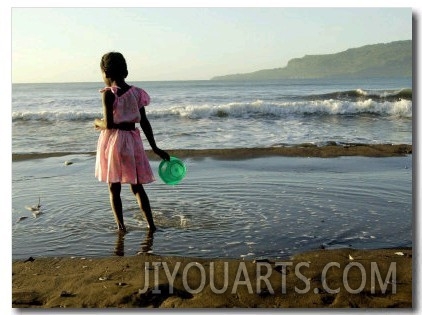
(120, 153)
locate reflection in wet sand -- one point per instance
(119, 248)
(146, 244)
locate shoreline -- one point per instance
(335, 278)
(330, 150)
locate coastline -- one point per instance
(330, 150)
(337, 278)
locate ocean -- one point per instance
(225, 207)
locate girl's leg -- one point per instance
(116, 204)
(143, 202)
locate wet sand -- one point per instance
(339, 278)
(331, 149)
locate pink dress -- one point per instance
(121, 157)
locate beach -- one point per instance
(348, 273)
(342, 278)
(299, 150)
(302, 189)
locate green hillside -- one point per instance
(372, 61)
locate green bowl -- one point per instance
(173, 171)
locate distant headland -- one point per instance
(371, 61)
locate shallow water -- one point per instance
(258, 207)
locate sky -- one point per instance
(185, 43)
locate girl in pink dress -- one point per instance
(121, 158)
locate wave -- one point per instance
(362, 95)
(258, 109)
(54, 115)
(263, 109)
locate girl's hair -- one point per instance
(114, 65)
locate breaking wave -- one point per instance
(396, 103)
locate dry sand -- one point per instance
(340, 278)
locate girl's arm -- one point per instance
(147, 129)
(107, 121)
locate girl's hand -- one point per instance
(99, 124)
(162, 154)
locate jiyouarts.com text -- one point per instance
(229, 278)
